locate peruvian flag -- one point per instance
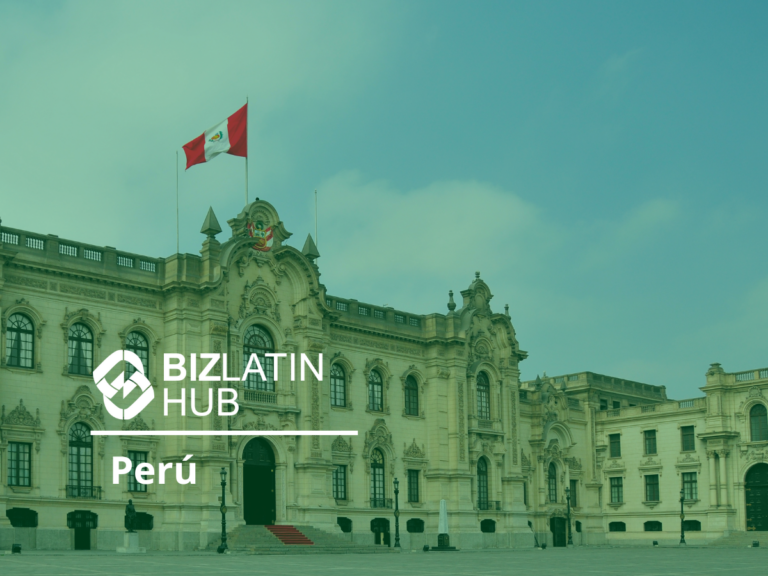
(227, 137)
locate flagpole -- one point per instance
(246, 151)
(316, 239)
(177, 201)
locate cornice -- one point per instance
(94, 278)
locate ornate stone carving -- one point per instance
(259, 424)
(378, 435)
(20, 416)
(137, 423)
(81, 407)
(341, 445)
(413, 451)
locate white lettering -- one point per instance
(232, 401)
(204, 374)
(306, 362)
(117, 471)
(194, 407)
(178, 366)
(145, 469)
(167, 401)
(225, 364)
(257, 370)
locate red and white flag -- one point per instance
(227, 137)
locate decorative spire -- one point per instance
(477, 275)
(451, 303)
(211, 225)
(310, 249)
(506, 310)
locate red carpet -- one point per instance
(289, 535)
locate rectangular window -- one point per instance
(19, 464)
(652, 488)
(650, 441)
(414, 321)
(413, 485)
(363, 311)
(690, 486)
(617, 490)
(616, 404)
(136, 458)
(615, 443)
(525, 493)
(603, 404)
(399, 319)
(340, 483)
(688, 439)
(343, 306)
(328, 302)
(378, 314)
(574, 492)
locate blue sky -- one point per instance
(602, 164)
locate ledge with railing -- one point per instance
(262, 396)
(670, 406)
(483, 504)
(381, 502)
(89, 492)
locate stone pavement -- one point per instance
(531, 562)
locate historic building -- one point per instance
(436, 398)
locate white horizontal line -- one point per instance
(223, 432)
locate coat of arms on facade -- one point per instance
(262, 235)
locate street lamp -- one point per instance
(568, 514)
(397, 514)
(682, 517)
(223, 545)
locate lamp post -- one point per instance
(397, 514)
(223, 545)
(682, 517)
(568, 514)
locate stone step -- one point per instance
(741, 540)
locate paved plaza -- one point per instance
(563, 562)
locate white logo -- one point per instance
(136, 379)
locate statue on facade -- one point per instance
(130, 517)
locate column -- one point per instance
(723, 478)
(712, 479)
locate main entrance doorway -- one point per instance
(259, 482)
(82, 521)
(756, 491)
(557, 526)
(380, 529)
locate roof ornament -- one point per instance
(310, 249)
(211, 225)
(451, 303)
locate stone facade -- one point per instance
(467, 409)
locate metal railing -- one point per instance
(90, 492)
(259, 396)
(483, 504)
(381, 502)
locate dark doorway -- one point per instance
(259, 483)
(557, 526)
(756, 491)
(380, 529)
(82, 521)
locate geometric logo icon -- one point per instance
(137, 379)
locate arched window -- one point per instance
(375, 392)
(652, 526)
(20, 342)
(758, 420)
(552, 482)
(482, 484)
(617, 527)
(80, 483)
(377, 480)
(483, 397)
(137, 343)
(259, 342)
(338, 386)
(80, 349)
(411, 396)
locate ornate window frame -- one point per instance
(146, 444)
(386, 376)
(153, 340)
(421, 383)
(82, 316)
(20, 426)
(379, 437)
(342, 455)
(22, 306)
(349, 370)
(415, 458)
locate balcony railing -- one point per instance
(259, 396)
(90, 492)
(381, 502)
(488, 504)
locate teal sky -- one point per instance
(602, 164)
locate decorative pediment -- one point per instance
(688, 463)
(341, 445)
(414, 452)
(82, 407)
(84, 316)
(137, 423)
(378, 435)
(259, 299)
(259, 424)
(20, 416)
